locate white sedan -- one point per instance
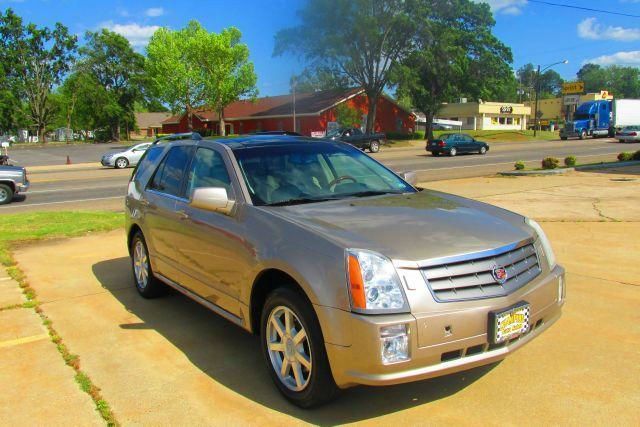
(629, 134)
(122, 159)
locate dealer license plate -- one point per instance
(509, 323)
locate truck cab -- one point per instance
(592, 118)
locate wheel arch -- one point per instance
(132, 231)
(11, 184)
(266, 282)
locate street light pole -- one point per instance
(537, 90)
(294, 103)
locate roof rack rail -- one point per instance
(178, 136)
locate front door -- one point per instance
(214, 250)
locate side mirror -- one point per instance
(212, 199)
(410, 177)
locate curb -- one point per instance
(560, 171)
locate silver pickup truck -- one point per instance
(13, 180)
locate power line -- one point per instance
(569, 6)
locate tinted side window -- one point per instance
(208, 170)
(168, 176)
(356, 132)
(150, 156)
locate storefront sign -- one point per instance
(574, 87)
(506, 109)
(571, 100)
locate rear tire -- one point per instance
(564, 138)
(453, 152)
(146, 283)
(307, 380)
(6, 194)
(121, 163)
(435, 154)
(374, 147)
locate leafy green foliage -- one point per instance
(550, 163)
(550, 82)
(358, 39)
(33, 60)
(623, 82)
(519, 165)
(323, 78)
(454, 54)
(348, 116)
(570, 161)
(625, 156)
(111, 67)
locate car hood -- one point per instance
(11, 169)
(411, 227)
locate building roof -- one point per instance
(310, 103)
(150, 120)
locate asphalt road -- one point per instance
(57, 154)
(91, 187)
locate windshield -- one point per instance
(580, 116)
(333, 132)
(631, 128)
(306, 173)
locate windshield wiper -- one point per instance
(369, 193)
(300, 201)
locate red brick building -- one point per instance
(314, 112)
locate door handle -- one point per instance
(182, 215)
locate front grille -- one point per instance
(570, 127)
(473, 279)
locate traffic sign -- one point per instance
(572, 87)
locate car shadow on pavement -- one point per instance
(232, 357)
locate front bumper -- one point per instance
(22, 188)
(450, 338)
(108, 162)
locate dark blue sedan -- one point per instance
(455, 143)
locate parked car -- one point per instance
(628, 134)
(128, 157)
(357, 138)
(348, 273)
(455, 143)
(13, 180)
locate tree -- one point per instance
(229, 75)
(623, 82)
(320, 79)
(34, 61)
(550, 81)
(348, 116)
(359, 39)
(454, 54)
(111, 61)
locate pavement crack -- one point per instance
(594, 204)
(636, 285)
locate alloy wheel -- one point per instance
(289, 348)
(141, 264)
(4, 195)
(121, 163)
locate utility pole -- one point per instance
(535, 112)
(293, 83)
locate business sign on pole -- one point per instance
(573, 87)
(571, 100)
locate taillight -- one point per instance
(441, 143)
(633, 134)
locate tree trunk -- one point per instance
(41, 137)
(222, 125)
(428, 129)
(372, 99)
(115, 131)
(189, 118)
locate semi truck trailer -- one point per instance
(602, 118)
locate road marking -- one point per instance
(55, 203)
(75, 188)
(24, 340)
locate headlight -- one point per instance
(546, 245)
(374, 283)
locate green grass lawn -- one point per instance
(44, 225)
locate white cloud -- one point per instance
(154, 11)
(137, 34)
(592, 30)
(507, 7)
(631, 58)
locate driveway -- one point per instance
(170, 361)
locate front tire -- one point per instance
(121, 163)
(374, 147)
(6, 194)
(293, 349)
(483, 150)
(583, 134)
(146, 283)
(453, 152)
(564, 138)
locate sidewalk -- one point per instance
(36, 386)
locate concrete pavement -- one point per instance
(170, 361)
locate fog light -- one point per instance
(394, 344)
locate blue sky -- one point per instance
(537, 33)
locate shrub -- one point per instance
(405, 136)
(636, 155)
(570, 161)
(519, 165)
(550, 163)
(625, 157)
